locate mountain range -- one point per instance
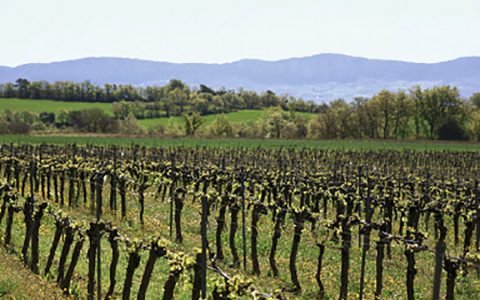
(320, 77)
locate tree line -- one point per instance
(433, 113)
(172, 99)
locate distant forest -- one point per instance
(434, 113)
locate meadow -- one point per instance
(243, 116)
(38, 106)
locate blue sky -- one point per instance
(228, 30)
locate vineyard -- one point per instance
(111, 222)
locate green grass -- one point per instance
(38, 106)
(244, 116)
(248, 143)
(18, 282)
(239, 116)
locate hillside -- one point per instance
(320, 77)
(37, 106)
(243, 116)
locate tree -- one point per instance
(207, 90)
(130, 126)
(274, 123)
(199, 103)
(22, 86)
(35, 90)
(269, 99)
(416, 94)
(250, 99)
(92, 120)
(47, 117)
(16, 122)
(176, 84)
(367, 117)
(87, 91)
(7, 90)
(473, 125)
(475, 99)
(221, 127)
(121, 110)
(280, 124)
(385, 103)
(336, 121)
(403, 113)
(438, 105)
(175, 98)
(192, 123)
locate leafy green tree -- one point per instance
(275, 123)
(16, 122)
(269, 99)
(403, 114)
(200, 103)
(339, 120)
(250, 99)
(416, 94)
(8, 90)
(473, 125)
(439, 104)
(176, 84)
(192, 123)
(367, 117)
(280, 124)
(22, 86)
(175, 98)
(35, 90)
(221, 127)
(206, 90)
(130, 126)
(121, 110)
(93, 120)
(47, 117)
(385, 103)
(475, 99)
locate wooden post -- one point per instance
(244, 233)
(172, 195)
(477, 208)
(99, 253)
(439, 256)
(204, 247)
(366, 237)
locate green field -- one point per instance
(38, 106)
(248, 143)
(244, 116)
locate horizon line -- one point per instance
(235, 61)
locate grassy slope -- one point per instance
(245, 116)
(193, 142)
(38, 106)
(18, 282)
